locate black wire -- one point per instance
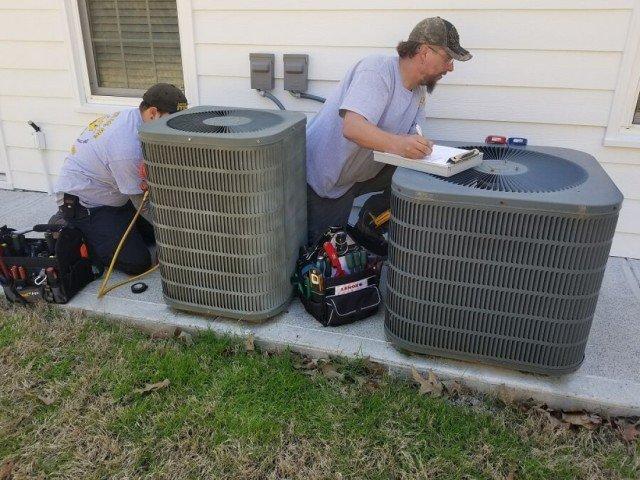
(272, 97)
(309, 96)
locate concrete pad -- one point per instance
(608, 382)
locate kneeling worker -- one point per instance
(100, 178)
(375, 107)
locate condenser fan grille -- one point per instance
(224, 121)
(507, 169)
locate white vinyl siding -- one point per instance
(540, 70)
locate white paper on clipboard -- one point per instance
(436, 163)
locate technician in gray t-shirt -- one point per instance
(375, 107)
(100, 178)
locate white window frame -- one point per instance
(88, 102)
(621, 132)
(6, 182)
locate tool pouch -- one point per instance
(70, 262)
(343, 299)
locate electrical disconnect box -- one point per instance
(262, 71)
(295, 72)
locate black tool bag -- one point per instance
(340, 299)
(50, 269)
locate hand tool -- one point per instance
(333, 256)
(497, 139)
(317, 281)
(517, 141)
(350, 263)
(363, 258)
(18, 244)
(341, 243)
(3, 267)
(23, 275)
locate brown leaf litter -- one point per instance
(152, 387)
(374, 368)
(6, 470)
(250, 345)
(428, 386)
(582, 419)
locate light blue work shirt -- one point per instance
(102, 167)
(372, 88)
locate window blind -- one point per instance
(134, 43)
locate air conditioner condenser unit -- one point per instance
(228, 191)
(501, 263)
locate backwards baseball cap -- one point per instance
(165, 97)
(439, 32)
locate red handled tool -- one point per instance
(3, 267)
(333, 258)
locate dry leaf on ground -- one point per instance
(311, 373)
(430, 385)
(186, 338)
(152, 387)
(46, 400)
(371, 385)
(506, 396)
(554, 421)
(305, 363)
(162, 334)
(250, 345)
(6, 469)
(453, 387)
(587, 420)
(630, 432)
(374, 368)
(329, 371)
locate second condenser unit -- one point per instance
(228, 189)
(501, 263)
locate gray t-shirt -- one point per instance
(372, 88)
(102, 167)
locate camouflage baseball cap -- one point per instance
(438, 31)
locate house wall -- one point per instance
(542, 69)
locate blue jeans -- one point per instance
(103, 228)
(323, 213)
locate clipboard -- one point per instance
(444, 161)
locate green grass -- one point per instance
(228, 413)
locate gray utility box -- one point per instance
(295, 72)
(228, 190)
(262, 69)
(501, 263)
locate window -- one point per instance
(130, 45)
(636, 115)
